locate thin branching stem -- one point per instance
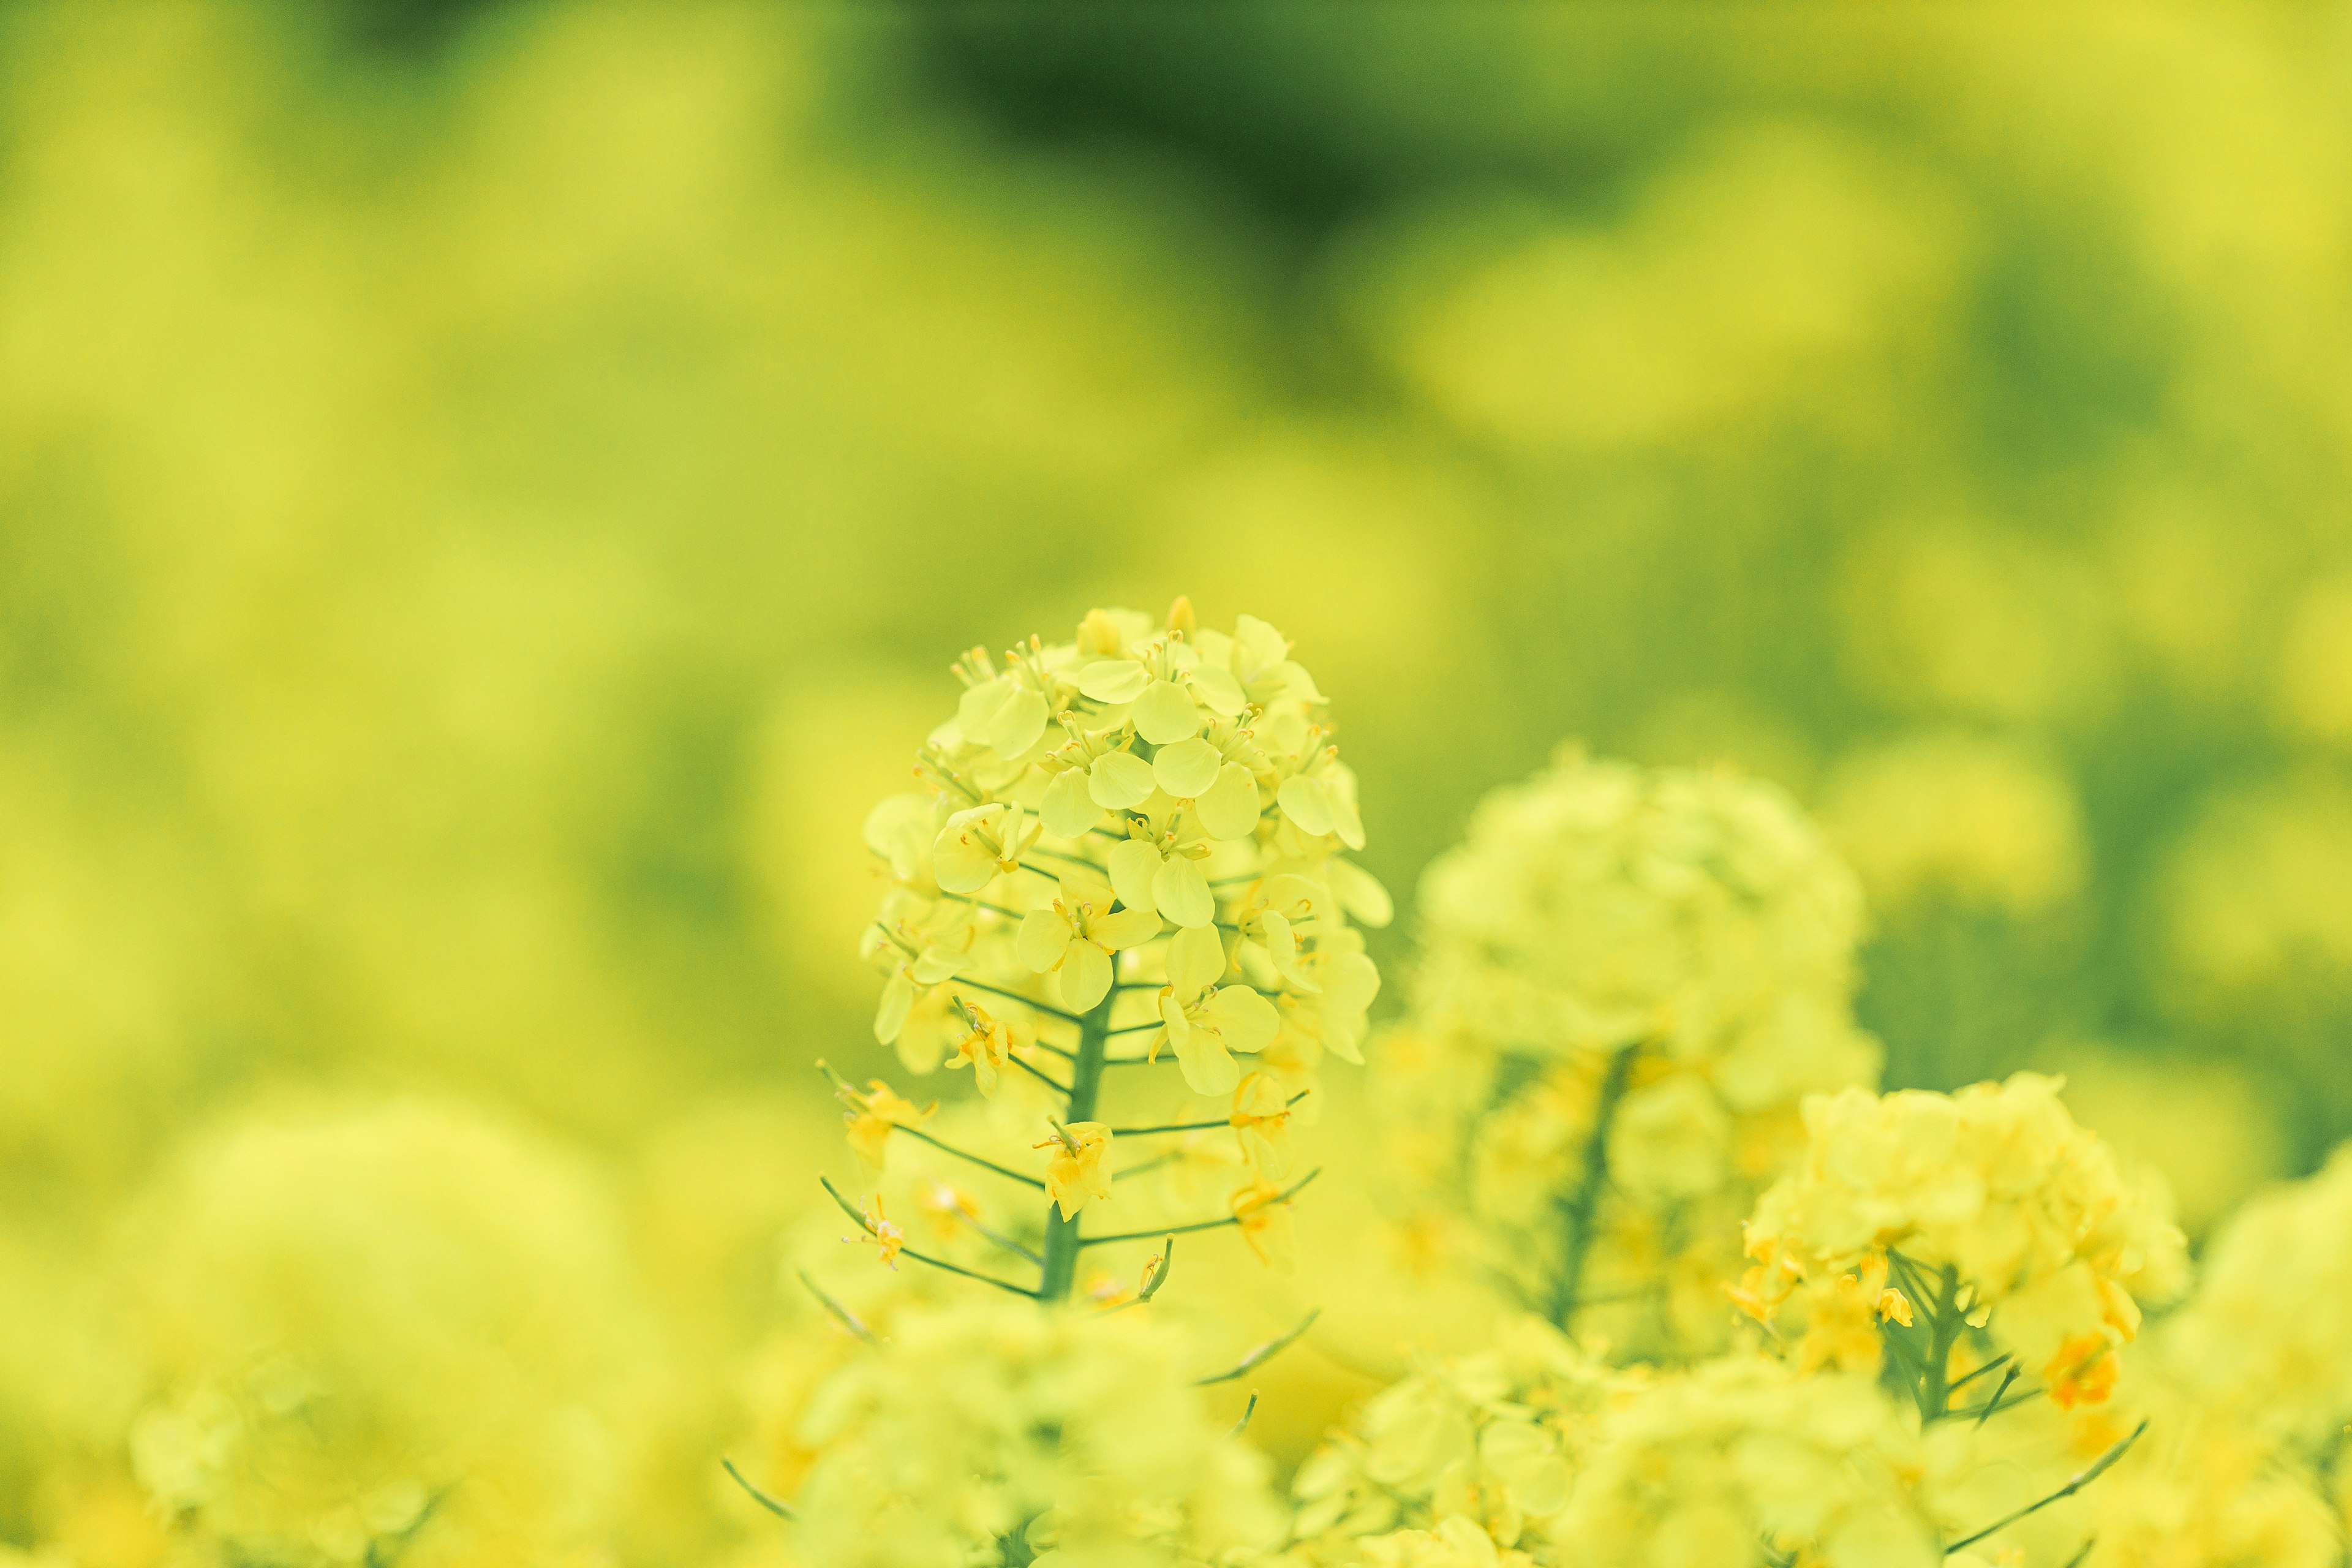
(1581, 1208)
(841, 1315)
(1191, 1126)
(939, 1263)
(1031, 1003)
(947, 1148)
(1006, 1242)
(1991, 1366)
(1985, 1412)
(1283, 1197)
(2099, 1467)
(1048, 1080)
(1259, 1356)
(1078, 860)
(774, 1505)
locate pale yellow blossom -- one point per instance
(1203, 1022)
(1074, 941)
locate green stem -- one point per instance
(2098, 1468)
(1062, 1241)
(1935, 1387)
(1580, 1207)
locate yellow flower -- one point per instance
(2081, 1372)
(987, 1047)
(1842, 1318)
(1996, 1182)
(871, 1116)
(1216, 772)
(1074, 941)
(1203, 1021)
(1320, 798)
(1164, 683)
(1159, 866)
(978, 845)
(1261, 1120)
(922, 941)
(1266, 1225)
(1258, 659)
(1095, 772)
(884, 1234)
(1005, 712)
(1076, 1172)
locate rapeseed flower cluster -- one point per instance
(1937, 1288)
(1628, 980)
(1489, 1442)
(356, 1357)
(998, 1432)
(1989, 1203)
(1137, 835)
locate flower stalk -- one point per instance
(1059, 1269)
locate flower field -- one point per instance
(803, 787)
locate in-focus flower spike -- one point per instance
(1130, 774)
(1204, 1022)
(1073, 940)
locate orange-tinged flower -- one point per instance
(1764, 1287)
(2081, 1372)
(883, 1234)
(1266, 1225)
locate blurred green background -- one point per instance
(488, 496)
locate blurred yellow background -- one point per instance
(488, 496)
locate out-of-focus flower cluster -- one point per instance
(350, 1343)
(1000, 1432)
(1628, 980)
(1934, 1351)
(1993, 1192)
